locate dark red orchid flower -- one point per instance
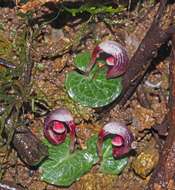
(57, 124)
(122, 139)
(117, 58)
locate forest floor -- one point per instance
(61, 36)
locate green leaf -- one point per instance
(63, 168)
(82, 60)
(93, 90)
(93, 10)
(110, 165)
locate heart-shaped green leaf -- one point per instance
(62, 168)
(93, 90)
(110, 165)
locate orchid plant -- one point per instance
(64, 166)
(99, 81)
(98, 84)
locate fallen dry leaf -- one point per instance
(32, 4)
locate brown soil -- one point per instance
(66, 39)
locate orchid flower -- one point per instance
(117, 58)
(122, 139)
(57, 124)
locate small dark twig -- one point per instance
(7, 64)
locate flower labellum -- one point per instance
(57, 124)
(117, 58)
(122, 138)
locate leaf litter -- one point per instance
(49, 90)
